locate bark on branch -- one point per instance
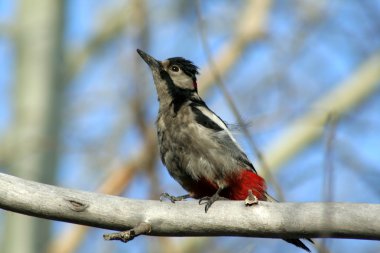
(187, 218)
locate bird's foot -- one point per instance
(173, 199)
(208, 201)
(251, 199)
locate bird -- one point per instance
(195, 144)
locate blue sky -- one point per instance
(278, 77)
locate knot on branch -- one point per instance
(76, 204)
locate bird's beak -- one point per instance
(152, 63)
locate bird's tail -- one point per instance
(297, 242)
(270, 198)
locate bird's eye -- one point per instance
(174, 68)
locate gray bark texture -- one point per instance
(187, 218)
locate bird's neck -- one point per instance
(173, 104)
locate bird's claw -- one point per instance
(203, 200)
(208, 201)
(172, 198)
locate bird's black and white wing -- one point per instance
(220, 133)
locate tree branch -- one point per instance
(225, 218)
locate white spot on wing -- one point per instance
(212, 116)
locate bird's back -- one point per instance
(199, 151)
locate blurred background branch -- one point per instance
(357, 87)
(250, 27)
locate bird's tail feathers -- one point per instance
(297, 242)
(269, 197)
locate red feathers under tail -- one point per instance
(247, 180)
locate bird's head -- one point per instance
(174, 78)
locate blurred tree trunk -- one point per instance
(37, 96)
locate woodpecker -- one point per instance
(196, 145)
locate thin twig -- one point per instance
(235, 111)
(143, 228)
(328, 182)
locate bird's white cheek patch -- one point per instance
(183, 81)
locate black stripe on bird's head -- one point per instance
(182, 72)
(186, 66)
(175, 78)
